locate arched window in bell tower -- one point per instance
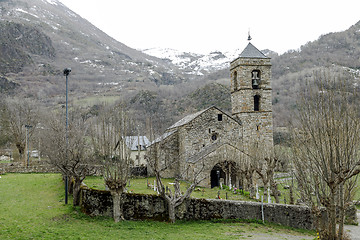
(255, 79)
(235, 81)
(257, 103)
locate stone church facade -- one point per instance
(216, 144)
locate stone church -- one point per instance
(215, 144)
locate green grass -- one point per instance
(139, 185)
(357, 194)
(32, 207)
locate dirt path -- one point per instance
(354, 231)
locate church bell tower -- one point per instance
(251, 95)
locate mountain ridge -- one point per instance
(104, 69)
(199, 64)
(94, 56)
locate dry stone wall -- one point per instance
(34, 167)
(145, 206)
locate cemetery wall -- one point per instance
(146, 206)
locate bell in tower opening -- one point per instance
(252, 101)
(255, 79)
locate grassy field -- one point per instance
(32, 207)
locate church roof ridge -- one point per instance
(162, 137)
(252, 52)
(188, 118)
(192, 116)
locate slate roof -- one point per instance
(162, 137)
(134, 141)
(187, 119)
(252, 52)
(191, 117)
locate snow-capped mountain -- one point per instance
(42, 37)
(193, 63)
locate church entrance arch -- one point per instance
(215, 175)
(225, 170)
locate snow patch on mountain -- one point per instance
(193, 63)
(53, 2)
(23, 11)
(181, 59)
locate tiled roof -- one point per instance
(252, 52)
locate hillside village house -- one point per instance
(218, 143)
(138, 146)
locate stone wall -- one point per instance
(205, 130)
(202, 139)
(34, 167)
(144, 206)
(243, 68)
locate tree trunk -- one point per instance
(117, 206)
(76, 191)
(275, 191)
(292, 200)
(171, 206)
(332, 216)
(250, 186)
(71, 183)
(341, 211)
(249, 181)
(21, 150)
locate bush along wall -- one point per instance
(146, 206)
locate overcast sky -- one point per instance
(201, 26)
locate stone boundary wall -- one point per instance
(45, 167)
(34, 167)
(146, 206)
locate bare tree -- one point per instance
(15, 115)
(264, 162)
(266, 170)
(326, 147)
(109, 141)
(75, 159)
(245, 168)
(174, 198)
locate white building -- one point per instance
(138, 146)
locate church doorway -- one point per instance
(215, 175)
(224, 170)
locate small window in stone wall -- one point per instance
(235, 81)
(214, 137)
(220, 117)
(256, 103)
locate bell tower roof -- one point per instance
(252, 52)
